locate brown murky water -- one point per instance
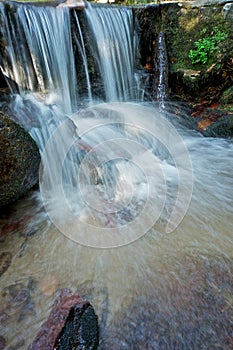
(163, 291)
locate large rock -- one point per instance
(72, 324)
(19, 161)
(223, 127)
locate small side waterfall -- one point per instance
(162, 89)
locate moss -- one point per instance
(185, 26)
(227, 96)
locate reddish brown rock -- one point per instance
(71, 323)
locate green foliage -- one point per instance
(205, 46)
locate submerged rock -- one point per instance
(2, 343)
(17, 301)
(19, 161)
(190, 310)
(72, 324)
(5, 262)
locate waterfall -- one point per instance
(131, 171)
(81, 45)
(39, 44)
(162, 89)
(114, 48)
(44, 49)
(92, 166)
(38, 53)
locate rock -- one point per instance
(2, 343)
(183, 26)
(211, 120)
(194, 313)
(48, 285)
(227, 96)
(80, 331)
(78, 4)
(5, 262)
(223, 127)
(201, 3)
(72, 324)
(19, 161)
(227, 10)
(17, 301)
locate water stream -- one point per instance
(134, 210)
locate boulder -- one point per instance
(19, 161)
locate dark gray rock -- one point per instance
(19, 161)
(81, 330)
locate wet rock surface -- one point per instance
(212, 121)
(187, 313)
(19, 161)
(72, 324)
(18, 302)
(221, 128)
(183, 25)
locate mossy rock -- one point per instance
(184, 25)
(19, 161)
(227, 96)
(223, 127)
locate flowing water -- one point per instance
(134, 209)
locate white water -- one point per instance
(110, 28)
(167, 283)
(39, 53)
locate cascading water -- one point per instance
(116, 61)
(38, 51)
(130, 176)
(163, 70)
